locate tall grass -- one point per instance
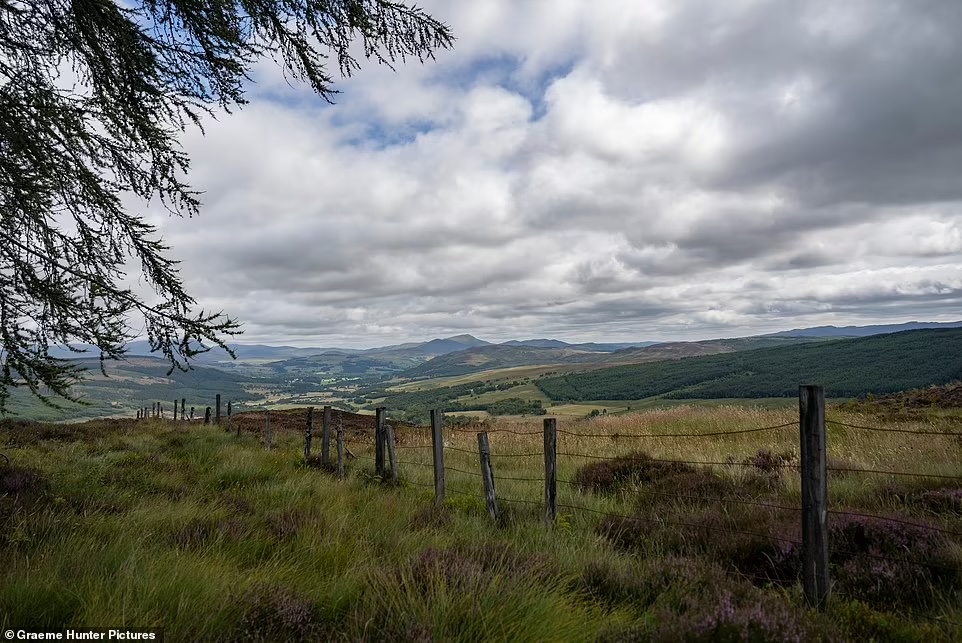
(212, 537)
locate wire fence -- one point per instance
(511, 461)
(517, 456)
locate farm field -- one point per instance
(212, 537)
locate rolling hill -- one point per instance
(133, 384)
(846, 367)
(508, 355)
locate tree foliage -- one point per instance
(845, 367)
(93, 97)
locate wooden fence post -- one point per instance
(309, 434)
(391, 453)
(183, 408)
(487, 474)
(207, 416)
(217, 406)
(267, 429)
(340, 446)
(175, 410)
(550, 468)
(326, 437)
(811, 412)
(437, 441)
(191, 413)
(379, 441)
(138, 414)
(229, 418)
(160, 410)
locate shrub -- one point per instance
(21, 481)
(945, 500)
(610, 476)
(743, 539)
(467, 566)
(888, 563)
(275, 613)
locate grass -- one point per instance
(212, 537)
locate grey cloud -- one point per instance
(657, 184)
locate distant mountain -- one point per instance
(862, 331)
(882, 363)
(244, 352)
(537, 343)
(587, 346)
(511, 354)
(482, 358)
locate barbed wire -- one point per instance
(841, 512)
(894, 473)
(417, 464)
(468, 451)
(511, 431)
(706, 499)
(674, 523)
(469, 473)
(732, 463)
(517, 455)
(881, 430)
(413, 446)
(619, 436)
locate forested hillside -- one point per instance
(847, 368)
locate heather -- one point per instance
(213, 537)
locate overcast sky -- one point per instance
(606, 170)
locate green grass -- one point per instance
(214, 538)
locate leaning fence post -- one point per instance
(309, 434)
(392, 455)
(217, 405)
(379, 440)
(550, 468)
(207, 416)
(437, 441)
(267, 429)
(487, 474)
(340, 446)
(811, 422)
(326, 437)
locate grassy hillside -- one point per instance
(211, 537)
(132, 384)
(846, 368)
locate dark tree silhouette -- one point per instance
(93, 96)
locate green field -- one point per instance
(212, 537)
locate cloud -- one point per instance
(612, 170)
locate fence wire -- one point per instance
(955, 434)
(620, 436)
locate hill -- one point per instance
(877, 364)
(497, 356)
(132, 384)
(862, 331)
(509, 355)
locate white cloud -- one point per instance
(597, 170)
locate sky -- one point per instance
(596, 171)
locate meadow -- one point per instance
(212, 537)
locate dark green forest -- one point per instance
(846, 368)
